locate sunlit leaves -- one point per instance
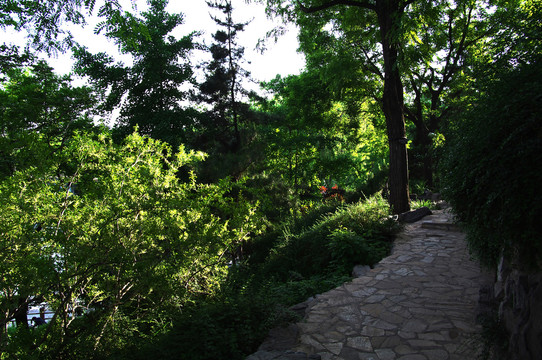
(119, 235)
(38, 112)
(320, 140)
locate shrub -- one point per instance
(126, 248)
(491, 170)
(346, 247)
(306, 251)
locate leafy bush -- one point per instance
(234, 324)
(261, 246)
(306, 250)
(416, 204)
(491, 172)
(346, 248)
(127, 247)
(212, 330)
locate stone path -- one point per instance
(420, 303)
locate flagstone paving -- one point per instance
(420, 303)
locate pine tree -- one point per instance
(222, 88)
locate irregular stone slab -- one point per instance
(385, 354)
(282, 355)
(360, 270)
(360, 343)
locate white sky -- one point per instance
(280, 58)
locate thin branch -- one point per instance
(332, 3)
(416, 115)
(431, 81)
(104, 327)
(197, 271)
(408, 2)
(369, 64)
(65, 205)
(409, 114)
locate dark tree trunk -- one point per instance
(22, 313)
(427, 159)
(388, 12)
(423, 142)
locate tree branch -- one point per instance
(409, 114)
(312, 9)
(371, 67)
(408, 2)
(452, 60)
(416, 115)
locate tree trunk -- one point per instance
(427, 161)
(21, 318)
(388, 12)
(424, 148)
(233, 74)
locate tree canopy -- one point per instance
(39, 113)
(153, 84)
(43, 20)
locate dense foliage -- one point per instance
(490, 172)
(38, 114)
(286, 267)
(314, 140)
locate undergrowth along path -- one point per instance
(419, 303)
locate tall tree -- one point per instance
(222, 88)
(402, 46)
(149, 92)
(439, 39)
(387, 16)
